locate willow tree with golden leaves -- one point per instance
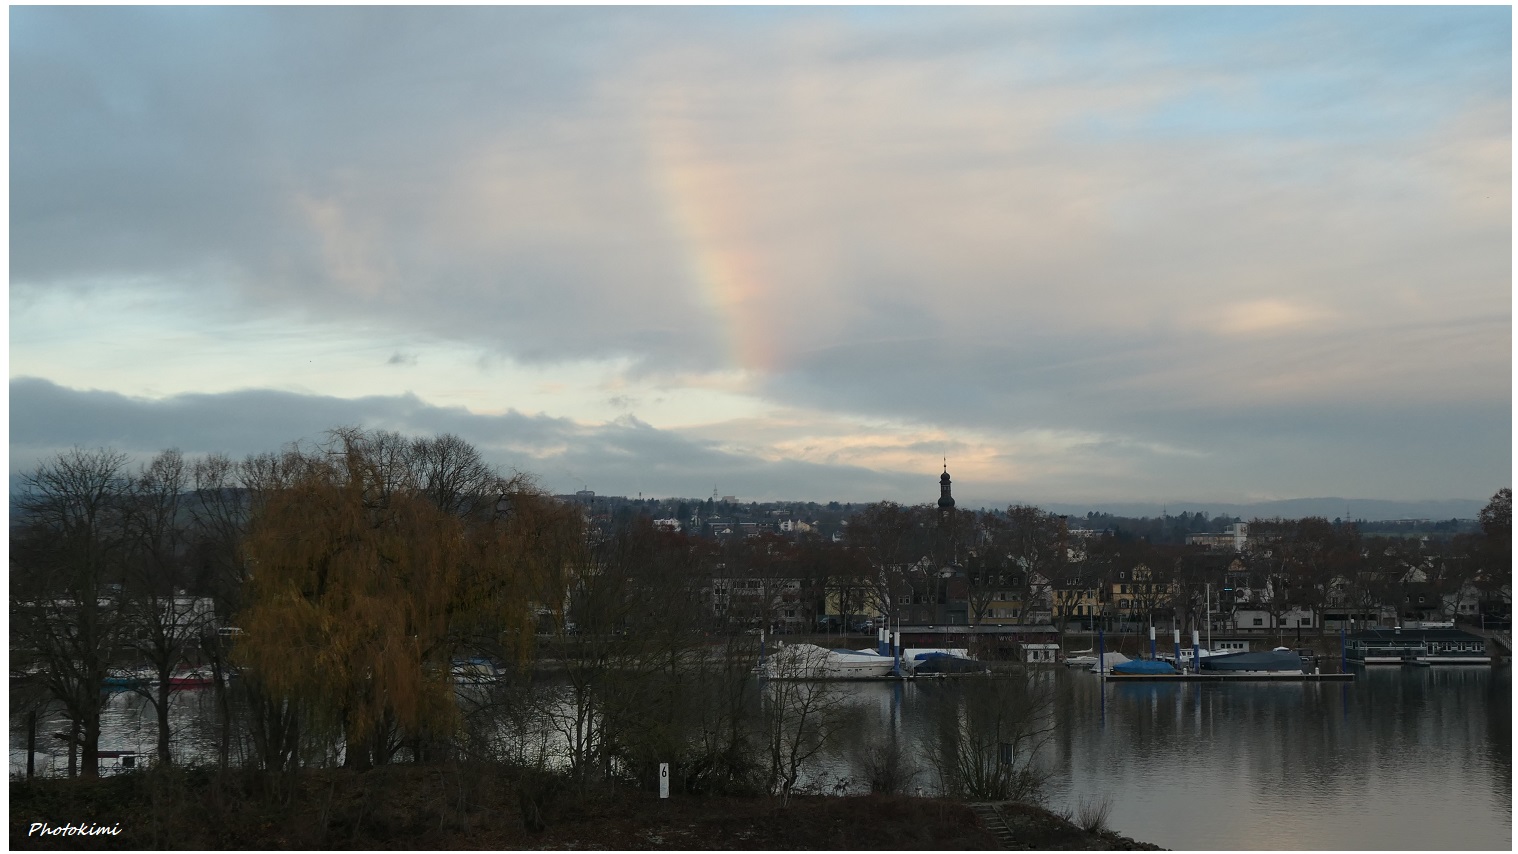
(365, 586)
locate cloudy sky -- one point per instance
(1086, 254)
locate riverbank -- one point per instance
(460, 807)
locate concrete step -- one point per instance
(992, 820)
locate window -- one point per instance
(1259, 621)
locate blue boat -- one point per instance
(944, 662)
(1144, 667)
(1278, 660)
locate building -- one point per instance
(1233, 539)
(1401, 645)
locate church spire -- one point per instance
(945, 499)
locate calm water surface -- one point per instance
(1400, 759)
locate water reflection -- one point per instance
(1402, 758)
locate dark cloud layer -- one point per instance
(622, 458)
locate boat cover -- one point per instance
(942, 662)
(1142, 666)
(1273, 661)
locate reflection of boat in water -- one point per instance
(1278, 660)
(809, 661)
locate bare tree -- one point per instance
(163, 625)
(990, 730)
(801, 715)
(67, 559)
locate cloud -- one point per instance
(625, 456)
(1080, 248)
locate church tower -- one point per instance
(945, 500)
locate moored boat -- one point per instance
(199, 677)
(1144, 667)
(1279, 660)
(809, 661)
(1186, 663)
(474, 670)
(1110, 660)
(123, 680)
(938, 662)
(1080, 658)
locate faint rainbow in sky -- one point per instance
(723, 263)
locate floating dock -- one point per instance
(1230, 677)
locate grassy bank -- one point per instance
(463, 807)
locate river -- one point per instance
(1399, 759)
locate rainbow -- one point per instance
(726, 269)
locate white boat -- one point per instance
(473, 670)
(809, 661)
(1111, 659)
(1080, 658)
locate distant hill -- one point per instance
(1369, 509)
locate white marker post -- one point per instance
(663, 780)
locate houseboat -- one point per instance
(1421, 646)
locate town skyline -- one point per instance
(1192, 257)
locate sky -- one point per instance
(805, 253)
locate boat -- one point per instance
(474, 670)
(125, 680)
(1144, 667)
(1080, 658)
(1186, 657)
(939, 662)
(199, 677)
(809, 661)
(1111, 659)
(1279, 660)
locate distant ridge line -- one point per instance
(1369, 509)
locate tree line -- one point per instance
(358, 587)
(356, 584)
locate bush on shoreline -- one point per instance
(459, 806)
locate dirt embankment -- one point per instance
(451, 807)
